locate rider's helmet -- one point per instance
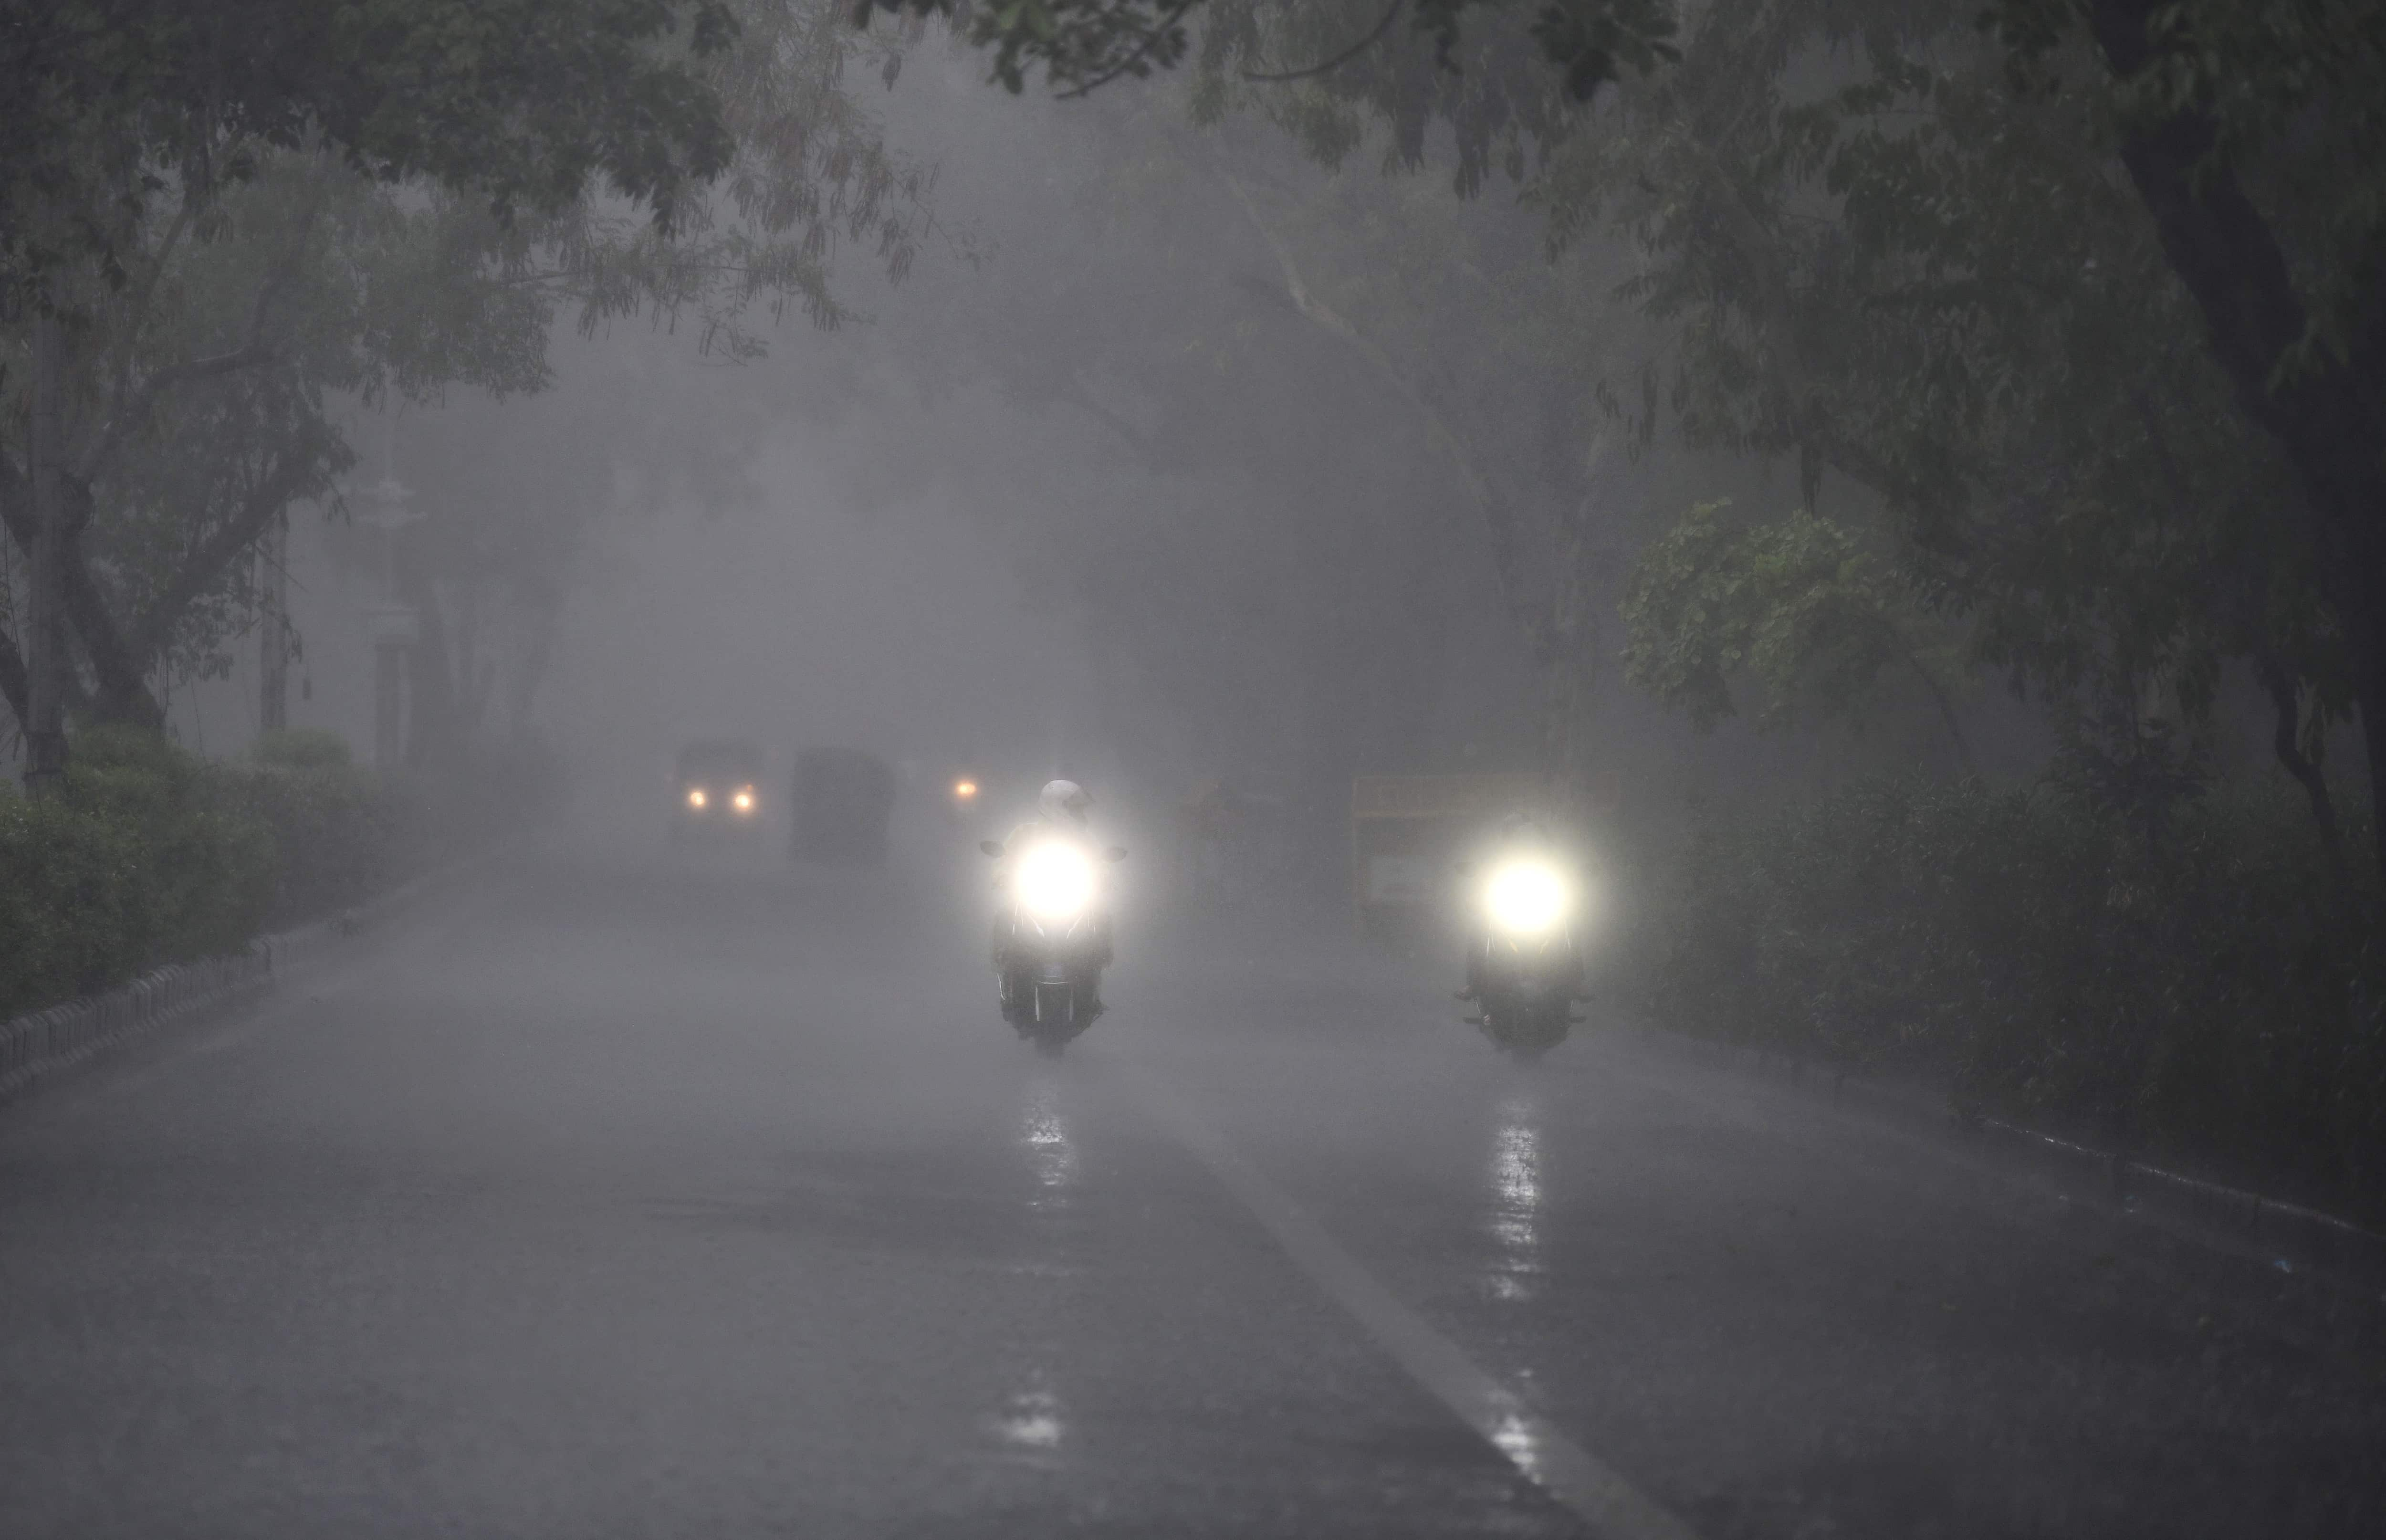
(1064, 802)
(1522, 828)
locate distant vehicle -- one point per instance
(1524, 962)
(717, 790)
(841, 800)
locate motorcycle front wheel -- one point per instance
(1528, 1029)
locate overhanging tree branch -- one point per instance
(119, 424)
(1074, 393)
(1374, 35)
(132, 407)
(2328, 411)
(1490, 506)
(293, 470)
(1155, 38)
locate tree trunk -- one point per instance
(45, 632)
(12, 680)
(2327, 411)
(122, 690)
(2286, 742)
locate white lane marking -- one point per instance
(1613, 1506)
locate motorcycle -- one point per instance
(1051, 940)
(1523, 966)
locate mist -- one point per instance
(1026, 772)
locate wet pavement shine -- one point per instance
(606, 1198)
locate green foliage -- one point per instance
(2296, 94)
(204, 869)
(2124, 766)
(416, 224)
(154, 856)
(304, 749)
(147, 858)
(2209, 996)
(1082, 44)
(1907, 276)
(333, 826)
(2032, 283)
(1799, 609)
(67, 882)
(521, 103)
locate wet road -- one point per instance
(598, 1201)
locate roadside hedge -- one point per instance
(203, 869)
(2209, 993)
(150, 855)
(67, 879)
(335, 829)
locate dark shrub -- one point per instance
(335, 829)
(66, 881)
(205, 865)
(2206, 988)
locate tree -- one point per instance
(1932, 284)
(308, 287)
(267, 259)
(1785, 147)
(526, 103)
(1798, 609)
(116, 101)
(1081, 45)
(1275, 560)
(2290, 295)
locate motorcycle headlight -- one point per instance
(1055, 881)
(1525, 898)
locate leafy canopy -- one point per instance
(1796, 610)
(1081, 44)
(525, 102)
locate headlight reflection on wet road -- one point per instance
(1515, 1438)
(1052, 1155)
(1032, 1425)
(1517, 1198)
(1032, 1421)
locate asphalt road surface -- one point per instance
(608, 1198)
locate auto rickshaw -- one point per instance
(717, 790)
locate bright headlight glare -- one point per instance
(695, 797)
(1055, 881)
(744, 800)
(1526, 897)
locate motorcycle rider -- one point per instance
(1520, 836)
(1061, 809)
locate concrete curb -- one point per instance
(2287, 1234)
(36, 1046)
